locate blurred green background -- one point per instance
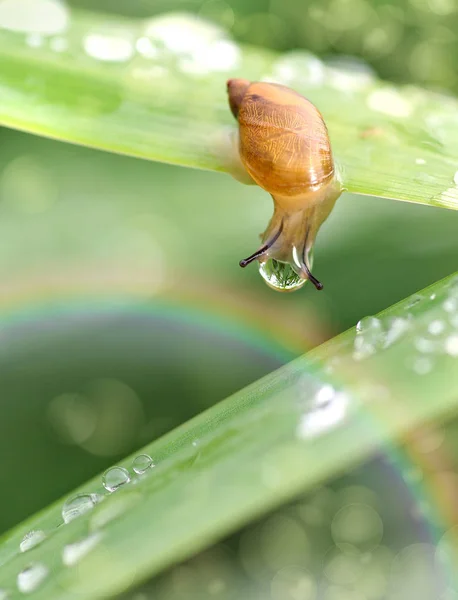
(123, 311)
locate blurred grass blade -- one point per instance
(156, 89)
(280, 436)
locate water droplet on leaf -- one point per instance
(114, 478)
(451, 345)
(73, 553)
(413, 301)
(109, 46)
(31, 577)
(369, 337)
(450, 305)
(78, 505)
(328, 409)
(142, 463)
(436, 327)
(32, 539)
(396, 328)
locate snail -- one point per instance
(284, 147)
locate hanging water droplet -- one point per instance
(328, 409)
(280, 276)
(114, 478)
(142, 463)
(78, 505)
(73, 553)
(32, 539)
(31, 577)
(369, 337)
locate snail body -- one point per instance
(284, 147)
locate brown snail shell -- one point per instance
(284, 146)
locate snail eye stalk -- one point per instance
(310, 277)
(305, 267)
(246, 261)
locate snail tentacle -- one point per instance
(246, 261)
(305, 267)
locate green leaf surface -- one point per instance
(155, 89)
(259, 448)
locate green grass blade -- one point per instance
(156, 90)
(282, 435)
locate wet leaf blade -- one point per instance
(250, 453)
(389, 141)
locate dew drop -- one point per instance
(4, 595)
(450, 305)
(45, 17)
(32, 539)
(114, 478)
(146, 48)
(78, 505)
(327, 411)
(73, 553)
(182, 33)
(453, 287)
(280, 276)
(34, 40)
(31, 577)
(426, 345)
(369, 337)
(110, 511)
(389, 101)
(453, 319)
(349, 74)
(299, 66)
(436, 327)
(451, 345)
(420, 161)
(109, 47)
(58, 44)
(396, 328)
(222, 55)
(142, 463)
(413, 301)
